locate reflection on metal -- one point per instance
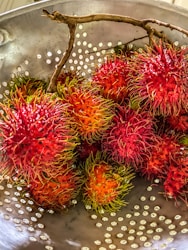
(9, 236)
(4, 37)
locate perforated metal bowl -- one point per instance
(33, 45)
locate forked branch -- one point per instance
(72, 22)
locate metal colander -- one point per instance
(32, 45)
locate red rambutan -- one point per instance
(56, 189)
(130, 136)
(166, 150)
(107, 183)
(36, 134)
(91, 112)
(176, 181)
(158, 79)
(111, 77)
(179, 122)
(85, 149)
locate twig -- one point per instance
(143, 23)
(52, 84)
(121, 45)
(68, 19)
(167, 25)
(72, 22)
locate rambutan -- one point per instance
(130, 137)
(159, 80)
(36, 134)
(84, 149)
(67, 81)
(176, 181)
(106, 184)
(26, 84)
(179, 122)
(166, 150)
(111, 77)
(57, 188)
(91, 112)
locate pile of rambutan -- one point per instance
(88, 139)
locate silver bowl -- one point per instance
(32, 44)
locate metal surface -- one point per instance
(32, 44)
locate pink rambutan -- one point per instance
(91, 112)
(111, 77)
(56, 189)
(130, 137)
(159, 80)
(36, 134)
(106, 183)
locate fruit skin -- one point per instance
(56, 189)
(91, 112)
(166, 150)
(36, 135)
(158, 79)
(130, 137)
(106, 183)
(111, 77)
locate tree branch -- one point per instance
(52, 85)
(143, 23)
(72, 22)
(67, 19)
